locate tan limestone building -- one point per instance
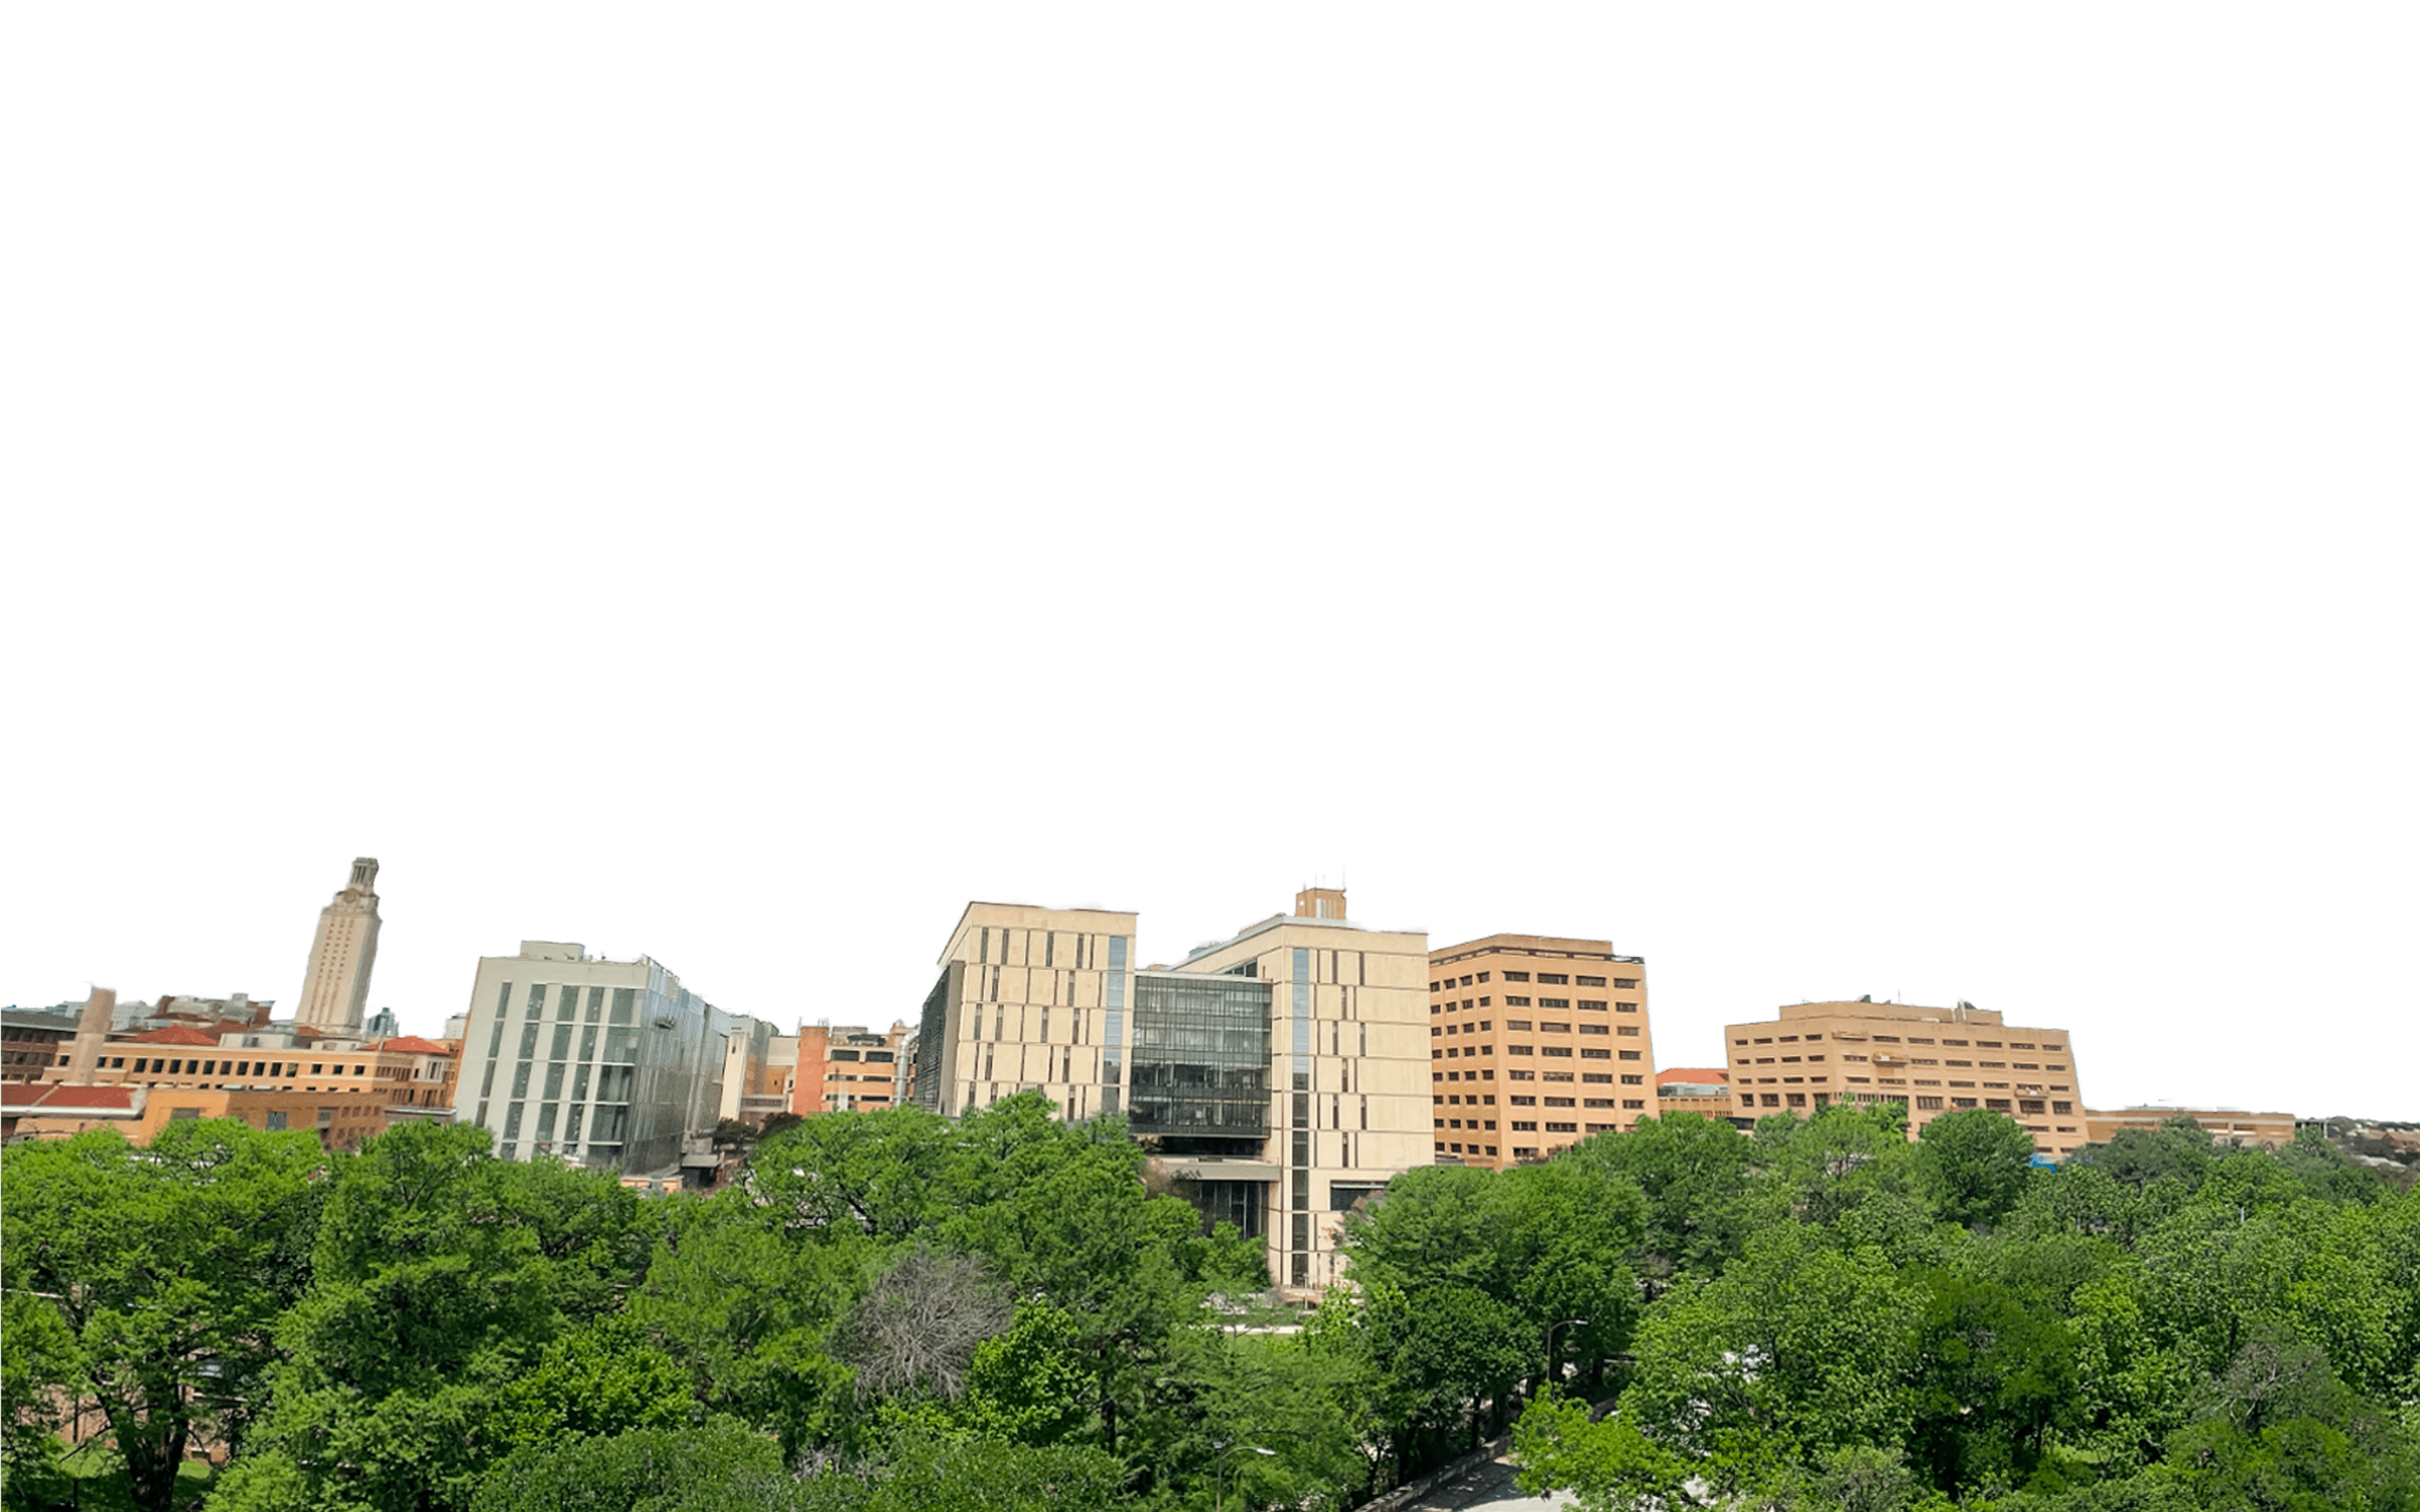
(2226, 1126)
(1935, 1060)
(1535, 1043)
(336, 982)
(1278, 1074)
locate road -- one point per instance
(1488, 1489)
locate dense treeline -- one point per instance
(889, 1311)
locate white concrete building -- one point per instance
(611, 1064)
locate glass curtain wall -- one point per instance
(1201, 1063)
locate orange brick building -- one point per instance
(1535, 1043)
(1694, 1090)
(1935, 1060)
(272, 1076)
(2226, 1126)
(846, 1069)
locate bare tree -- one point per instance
(921, 1323)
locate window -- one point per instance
(1553, 979)
(1521, 1102)
(274, 1120)
(1524, 1126)
(1483, 976)
(1927, 1102)
(1516, 976)
(1628, 1031)
(1516, 1002)
(1632, 1079)
(1591, 1005)
(1552, 1127)
(1517, 1026)
(1589, 981)
(1631, 1055)
(1554, 1028)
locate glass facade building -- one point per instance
(1201, 1073)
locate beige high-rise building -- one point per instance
(1535, 1043)
(1279, 1074)
(336, 984)
(1936, 1061)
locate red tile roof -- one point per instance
(412, 1045)
(65, 1098)
(173, 1034)
(1696, 1075)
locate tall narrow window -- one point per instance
(503, 1006)
(1300, 1010)
(1113, 1026)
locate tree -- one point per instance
(1973, 1165)
(1798, 1349)
(719, 1467)
(884, 1175)
(1692, 1171)
(594, 1381)
(2178, 1150)
(1992, 1378)
(439, 1277)
(152, 1263)
(748, 1309)
(1060, 1213)
(1438, 1357)
(920, 1324)
(1820, 1170)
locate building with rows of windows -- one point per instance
(1274, 1073)
(1936, 1061)
(611, 1064)
(1535, 1043)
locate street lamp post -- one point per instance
(1219, 1498)
(1567, 1322)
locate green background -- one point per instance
(1906, 499)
